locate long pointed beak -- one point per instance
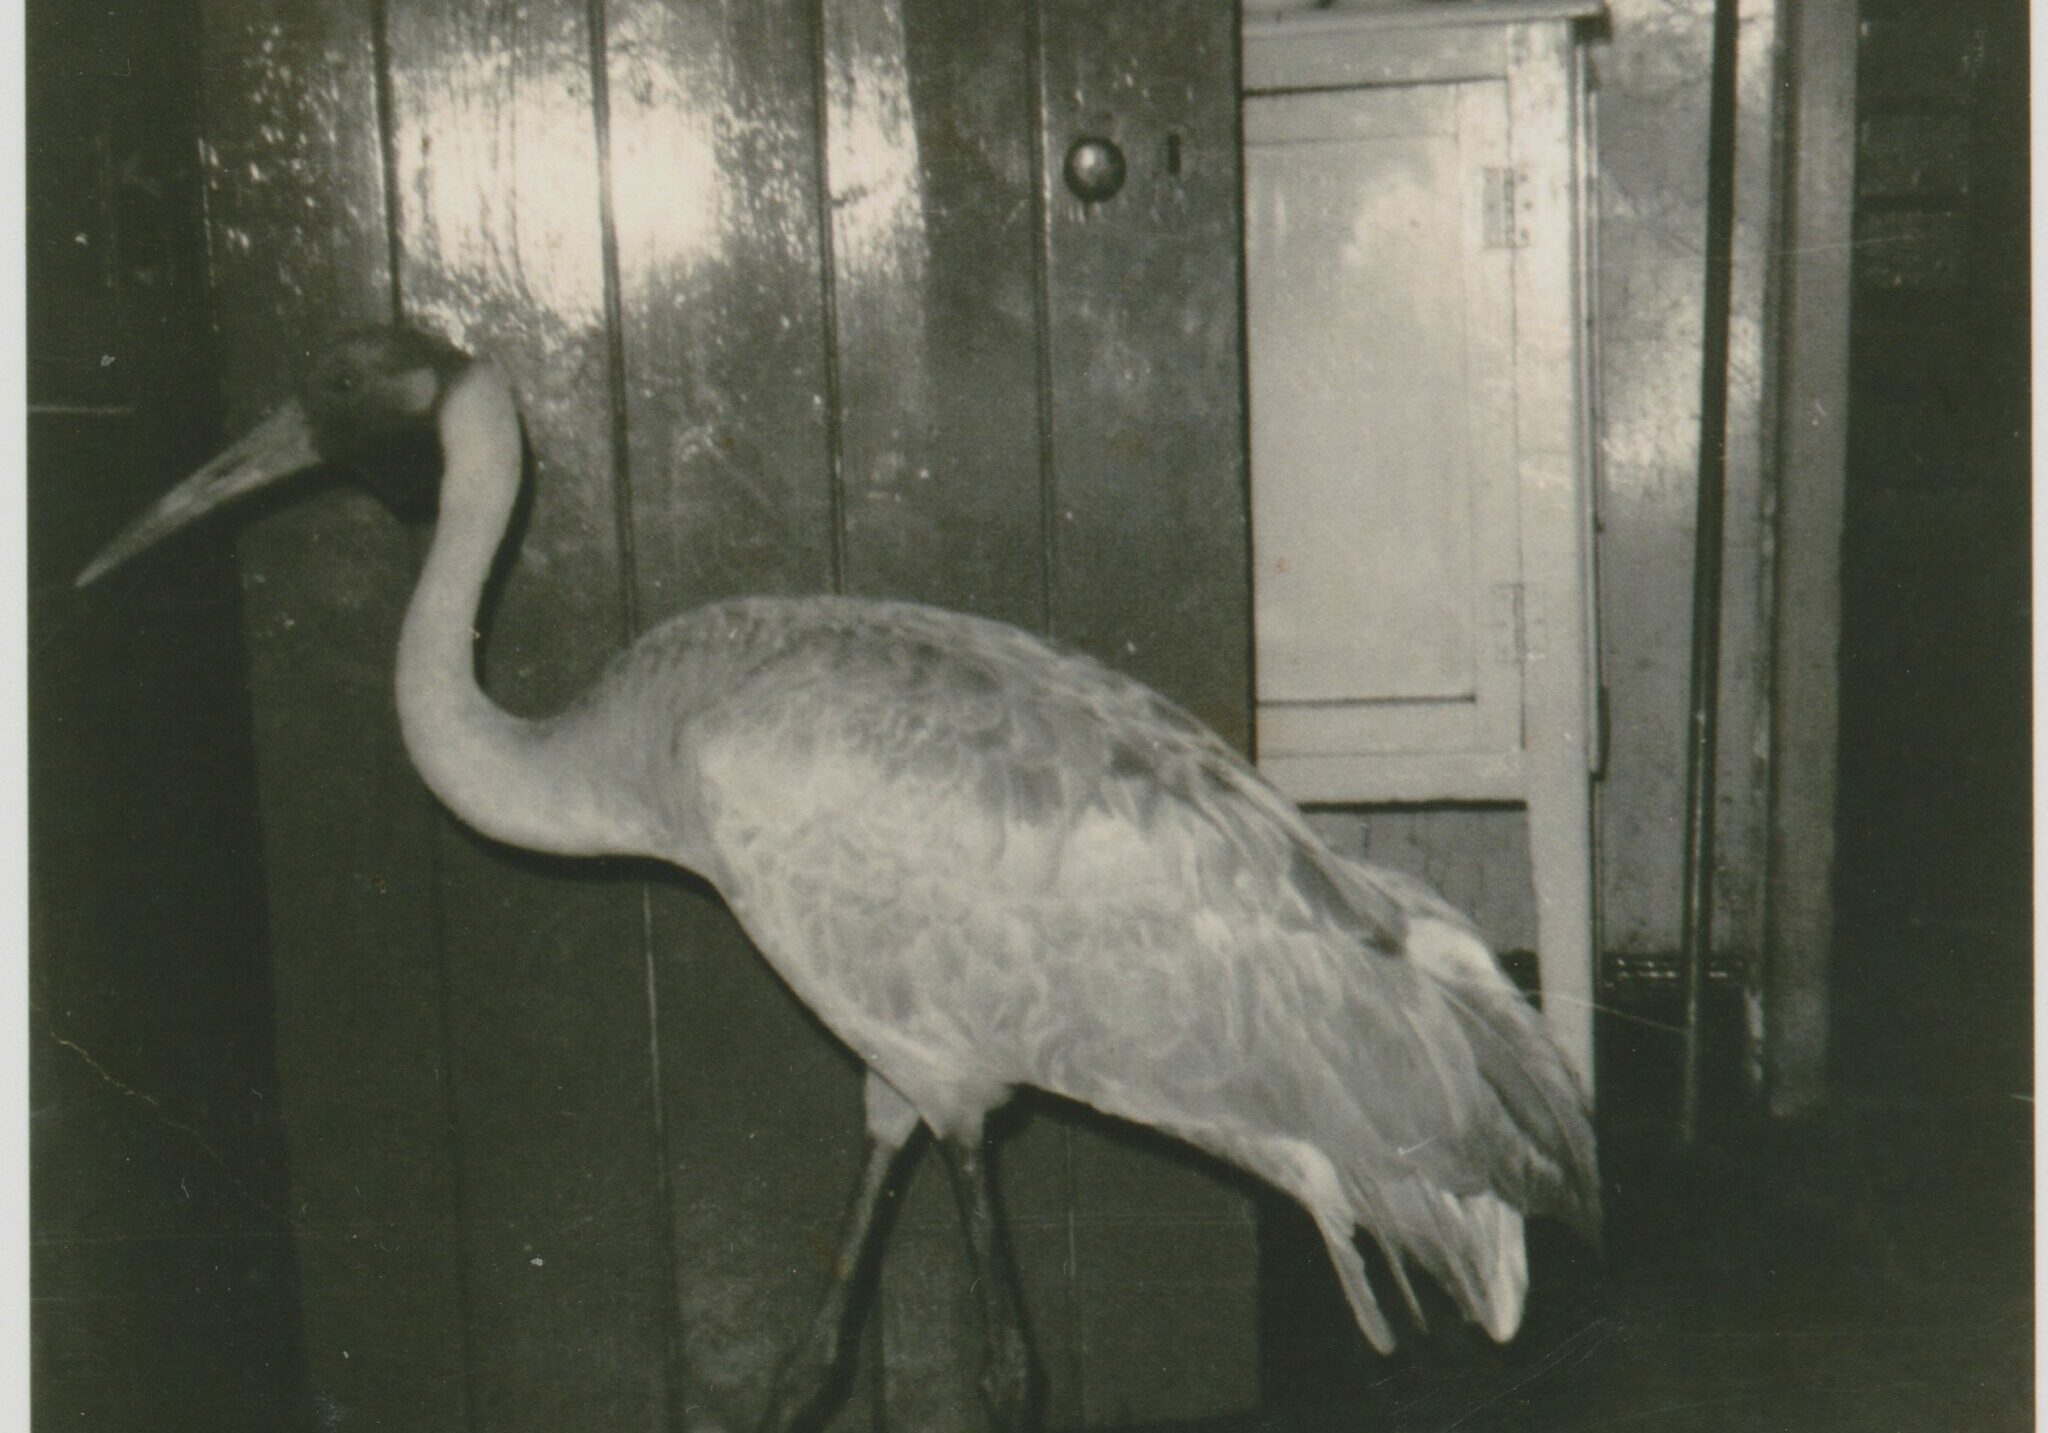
(279, 446)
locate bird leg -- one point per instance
(813, 1375)
(1010, 1384)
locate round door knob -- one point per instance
(1095, 169)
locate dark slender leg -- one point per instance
(813, 1377)
(1009, 1380)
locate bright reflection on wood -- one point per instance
(873, 164)
(498, 178)
(665, 174)
(881, 247)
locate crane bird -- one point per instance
(985, 862)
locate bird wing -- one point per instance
(892, 707)
(1446, 1114)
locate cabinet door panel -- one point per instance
(1381, 322)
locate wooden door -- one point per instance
(796, 300)
(1380, 310)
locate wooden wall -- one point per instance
(796, 302)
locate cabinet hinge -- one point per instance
(1497, 208)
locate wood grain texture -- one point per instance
(1552, 463)
(1652, 76)
(1310, 50)
(1148, 511)
(501, 244)
(1811, 472)
(929, 173)
(773, 357)
(714, 143)
(1148, 553)
(928, 116)
(298, 245)
(722, 320)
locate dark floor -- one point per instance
(1872, 1271)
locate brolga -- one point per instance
(985, 863)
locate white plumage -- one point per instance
(987, 863)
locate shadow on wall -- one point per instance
(161, 1269)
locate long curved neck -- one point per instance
(500, 773)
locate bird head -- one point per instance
(366, 404)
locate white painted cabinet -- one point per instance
(1419, 378)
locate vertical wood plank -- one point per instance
(1555, 564)
(929, 108)
(1149, 538)
(716, 152)
(496, 156)
(714, 121)
(1148, 570)
(929, 173)
(1488, 382)
(1811, 479)
(296, 207)
(1742, 832)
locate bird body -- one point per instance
(986, 862)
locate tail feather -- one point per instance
(1495, 1229)
(1558, 1170)
(1519, 1142)
(1469, 1243)
(1350, 1268)
(1306, 1172)
(1399, 1266)
(1553, 1169)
